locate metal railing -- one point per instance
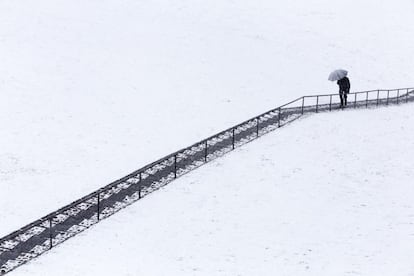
(42, 235)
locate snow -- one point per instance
(90, 91)
(325, 195)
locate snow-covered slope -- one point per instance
(90, 91)
(325, 196)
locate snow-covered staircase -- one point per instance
(42, 235)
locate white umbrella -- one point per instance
(337, 75)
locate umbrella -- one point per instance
(337, 75)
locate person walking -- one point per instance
(340, 76)
(344, 87)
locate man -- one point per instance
(344, 86)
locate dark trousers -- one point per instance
(343, 95)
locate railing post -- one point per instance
(406, 96)
(140, 185)
(355, 99)
(377, 97)
(99, 206)
(317, 103)
(278, 117)
(330, 102)
(232, 137)
(366, 101)
(50, 234)
(388, 96)
(175, 166)
(257, 127)
(398, 96)
(303, 103)
(205, 151)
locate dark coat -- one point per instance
(344, 85)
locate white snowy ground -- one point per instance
(92, 90)
(327, 195)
